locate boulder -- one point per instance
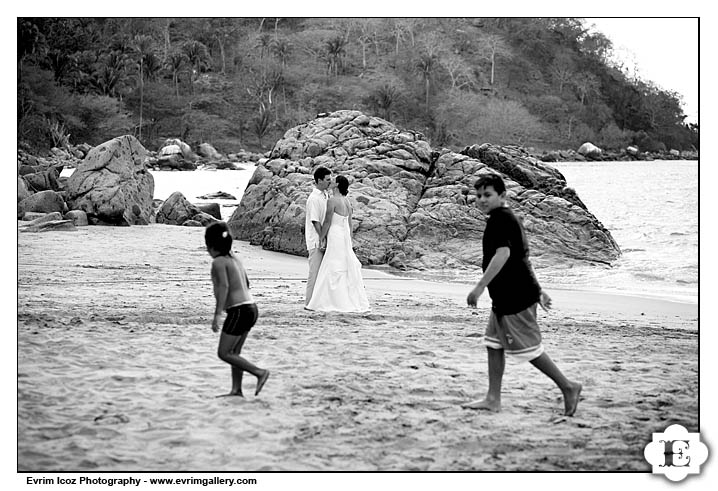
(24, 169)
(22, 190)
(175, 162)
(260, 172)
(176, 210)
(414, 207)
(217, 195)
(35, 219)
(43, 202)
(210, 209)
(590, 150)
(113, 184)
(45, 180)
(674, 153)
(185, 149)
(34, 215)
(170, 150)
(54, 225)
(208, 151)
(84, 148)
(77, 217)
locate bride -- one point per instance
(339, 286)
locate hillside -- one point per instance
(242, 82)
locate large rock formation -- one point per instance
(414, 208)
(113, 185)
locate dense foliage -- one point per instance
(241, 82)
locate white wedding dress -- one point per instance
(339, 286)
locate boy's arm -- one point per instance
(220, 283)
(497, 262)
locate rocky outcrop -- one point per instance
(446, 228)
(414, 208)
(176, 210)
(531, 173)
(387, 167)
(112, 184)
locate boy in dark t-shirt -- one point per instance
(515, 293)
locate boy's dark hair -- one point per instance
(320, 173)
(493, 180)
(343, 185)
(218, 237)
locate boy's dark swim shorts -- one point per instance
(240, 319)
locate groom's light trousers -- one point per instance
(315, 260)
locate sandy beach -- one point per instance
(117, 369)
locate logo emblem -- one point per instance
(676, 453)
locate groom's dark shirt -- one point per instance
(515, 287)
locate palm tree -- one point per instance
(335, 49)
(175, 63)
(198, 56)
(108, 77)
(152, 66)
(426, 65)
(260, 124)
(143, 46)
(281, 49)
(384, 98)
(264, 43)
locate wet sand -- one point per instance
(117, 369)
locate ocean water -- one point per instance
(650, 208)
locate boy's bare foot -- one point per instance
(484, 404)
(261, 381)
(571, 398)
(232, 394)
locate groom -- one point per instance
(315, 211)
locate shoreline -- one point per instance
(610, 303)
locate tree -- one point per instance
(335, 50)
(586, 86)
(491, 47)
(562, 70)
(110, 73)
(383, 99)
(401, 29)
(224, 31)
(426, 66)
(368, 29)
(459, 71)
(198, 56)
(281, 49)
(175, 63)
(143, 46)
(260, 125)
(29, 40)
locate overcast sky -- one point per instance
(664, 50)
